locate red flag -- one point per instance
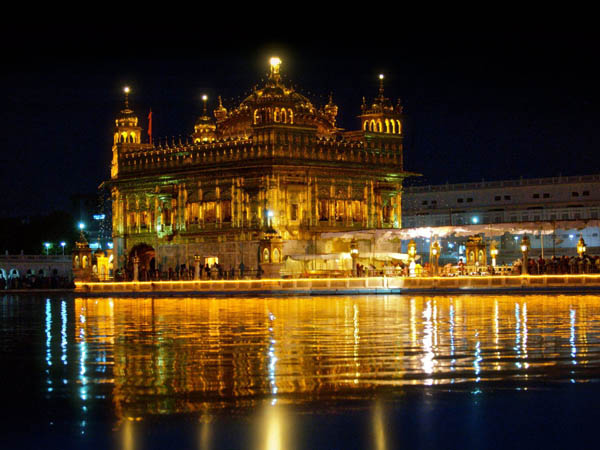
(150, 126)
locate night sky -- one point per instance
(479, 105)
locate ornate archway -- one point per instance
(145, 253)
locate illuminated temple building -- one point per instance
(274, 168)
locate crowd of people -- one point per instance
(562, 265)
(183, 272)
(35, 282)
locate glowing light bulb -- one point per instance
(204, 97)
(126, 89)
(275, 62)
(381, 76)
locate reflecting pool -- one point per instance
(299, 372)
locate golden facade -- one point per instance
(274, 162)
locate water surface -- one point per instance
(307, 372)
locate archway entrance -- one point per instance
(146, 254)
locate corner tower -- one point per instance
(127, 135)
(381, 116)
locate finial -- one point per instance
(220, 102)
(126, 90)
(204, 99)
(275, 63)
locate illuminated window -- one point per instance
(393, 123)
(399, 127)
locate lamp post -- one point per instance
(412, 254)
(354, 255)
(581, 247)
(493, 252)
(434, 257)
(525, 245)
(412, 250)
(47, 246)
(63, 244)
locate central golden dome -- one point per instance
(275, 103)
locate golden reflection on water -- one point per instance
(172, 355)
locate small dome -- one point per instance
(126, 118)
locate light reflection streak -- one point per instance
(48, 344)
(379, 426)
(48, 333)
(356, 344)
(83, 380)
(517, 346)
(525, 331)
(496, 335)
(63, 331)
(427, 359)
(451, 331)
(573, 337)
(205, 431)
(272, 358)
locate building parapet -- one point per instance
(503, 183)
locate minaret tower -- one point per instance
(381, 116)
(127, 135)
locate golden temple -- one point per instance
(257, 182)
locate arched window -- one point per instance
(276, 255)
(393, 123)
(379, 125)
(266, 255)
(372, 126)
(399, 127)
(283, 115)
(291, 116)
(84, 262)
(365, 125)
(276, 115)
(76, 262)
(387, 126)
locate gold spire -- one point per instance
(204, 99)
(126, 90)
(275, 63)
(381, 86)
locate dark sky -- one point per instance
(479, 104)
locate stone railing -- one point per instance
(219, 153)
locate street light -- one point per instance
(581, 247)
(63, 244)
(525, 246)
(47, 245)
